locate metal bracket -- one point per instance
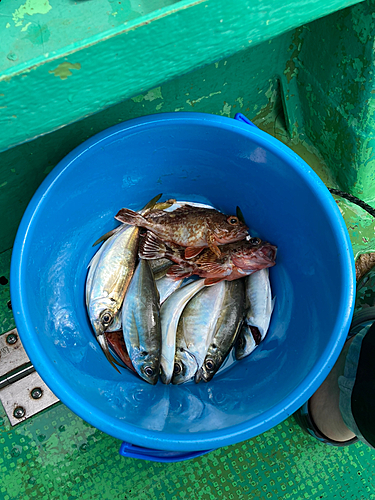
(22, 392)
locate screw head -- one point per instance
(19, 412)
(11, 338)
(36, 393)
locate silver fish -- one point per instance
(141, 323)
(111, 279)
(91, 272)
(226, 330)
(166, 286)
(160, 267)
(170, 313)
(195, 331)
(258, 316)
(109, 275)
(117, 323)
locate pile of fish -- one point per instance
(176, 286)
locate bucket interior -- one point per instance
(201, 161)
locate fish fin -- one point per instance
(163, 205)
(151, 247)
(184, 208)
(106, 236)
(213, 281)
(179, 272)
(191, 252)
(127, 216)
(153, 202)
(211, 241)
(104, 345)
(214, 268)
(240, 216)
(215, 249)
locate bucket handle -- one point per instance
(242, 118)
(133, 451)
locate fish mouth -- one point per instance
(236, 234)
(260, 258)
(186, 369)
(148, 369)
(269, 252)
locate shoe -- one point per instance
(364, 312)
(305, 421)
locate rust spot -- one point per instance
(63, 69)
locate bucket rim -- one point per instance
(169, 441)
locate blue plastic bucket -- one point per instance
(202, 158)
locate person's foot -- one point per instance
(324, 403)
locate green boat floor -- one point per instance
(57, 455)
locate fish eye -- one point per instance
(210, 365)
(149, 371)
(177, 369)
(232, 220)
(107, 318)
(255, 241)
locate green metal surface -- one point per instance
(54, 72)
(336, 92)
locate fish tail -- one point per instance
(108, 235)
(151, 247)
(153, 202)
(127, 216)
(180, 272)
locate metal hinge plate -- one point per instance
(22, 392)
(26, 397)
(12, 354)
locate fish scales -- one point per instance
(189, 226)
(236, 260)
(195, 330)
(170, 313)
(226, 330)
(141, 323)
(109, 275)
(258, 316)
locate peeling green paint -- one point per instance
(226, 111)
(240, 101)
(25, 27)
(196, 101)
(138, 98)
(153, 94)
(30, 8)
(63, 69)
